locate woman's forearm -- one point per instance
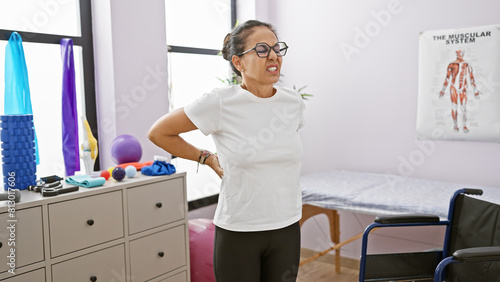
(165, 134)
(176, 146)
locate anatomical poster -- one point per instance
(459, 84)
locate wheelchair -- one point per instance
(470, 253)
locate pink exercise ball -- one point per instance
(126, 149)
(201, 249)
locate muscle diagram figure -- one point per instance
(459, 77)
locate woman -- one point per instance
(254, 126)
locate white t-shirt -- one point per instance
(260, 151)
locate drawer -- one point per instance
(36, 275)
(84, 222)
(104, 265)
(180, 277)
(25, 236)
(155, 204)
(157, 254)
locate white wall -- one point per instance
(131, 71)
(363, 114)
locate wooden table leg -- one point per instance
(309, 211)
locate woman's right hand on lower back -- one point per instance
(213, 162)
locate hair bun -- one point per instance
(226, 47)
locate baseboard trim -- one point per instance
(330, 258)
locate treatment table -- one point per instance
(377, 194)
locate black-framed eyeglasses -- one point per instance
(263, 49)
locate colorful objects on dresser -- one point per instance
(105, 174)
(126, 148)
(17, 98)
(70, 145)
(18, 151)
(118, 173)
(158, 168)
(85, 181)
(130, 171)
(89, 147)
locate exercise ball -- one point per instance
(201, 249)
(130, 170)
(106, 174)
(126, 149)
(118, 173)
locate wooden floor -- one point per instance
(323, 269)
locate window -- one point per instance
(42, 24)
(195, 38)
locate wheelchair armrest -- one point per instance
(472, 191)
(407, 218)
(477, 254)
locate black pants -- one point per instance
(265, 256)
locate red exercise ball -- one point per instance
(105, 174)
(201, 249)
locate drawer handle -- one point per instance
(93, 278)
(90, 222)
(159, 205)
(1, 244)
(161, 254)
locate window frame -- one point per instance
(210, 200)
(203, 51)
(86, 42)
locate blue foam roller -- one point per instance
(18, 151)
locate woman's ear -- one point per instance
(237, 62)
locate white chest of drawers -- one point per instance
(133, 230)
